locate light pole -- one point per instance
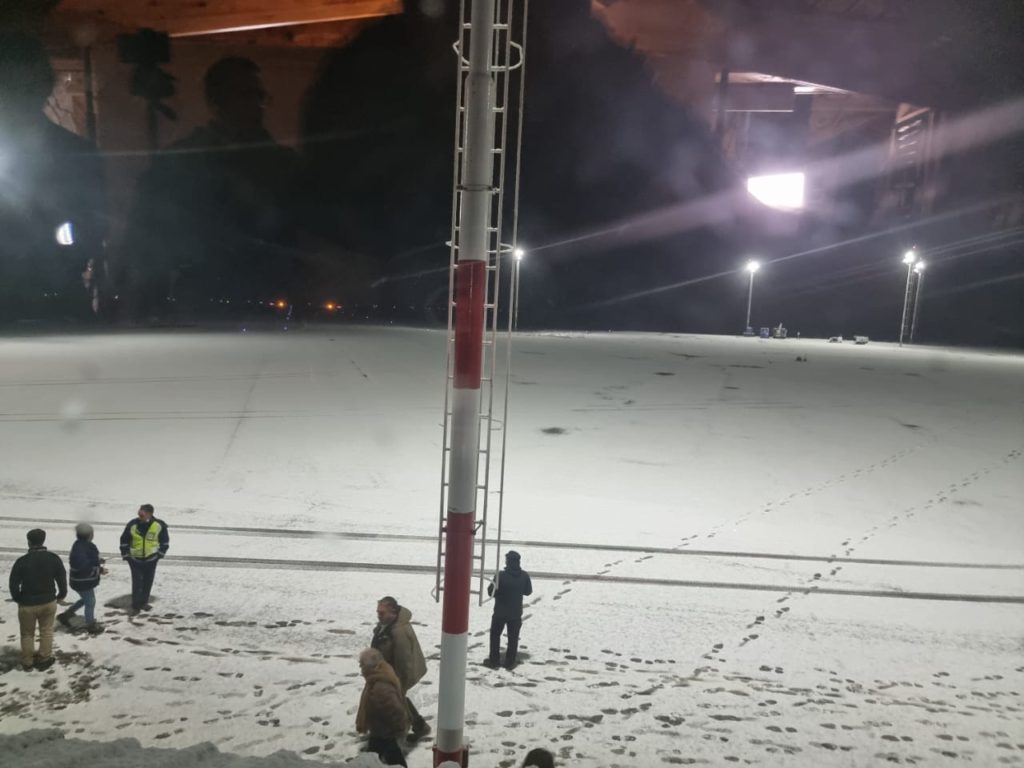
(909, 258)
(751, 267)
(518, 253)
(919, 270)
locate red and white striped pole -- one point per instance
(476, 185)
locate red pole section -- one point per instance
(470, 290)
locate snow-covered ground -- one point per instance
(738, 557)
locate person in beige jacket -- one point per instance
(382, 713)
(396, 640)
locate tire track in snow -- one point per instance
(241, 417)
(342, 565)
(283, 533)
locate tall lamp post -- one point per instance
(518, 253)
(909, 258)
(751, 267)
(919, 271)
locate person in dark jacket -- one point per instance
(38, 582)
(86, 569)
(145, 540)
(508, 590)
(382, 712)
(539, 758)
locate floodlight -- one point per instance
(65, 234)
(784, 191)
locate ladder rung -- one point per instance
(440, 588)
(496, 25)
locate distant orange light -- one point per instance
(330, 306)
(280, 305)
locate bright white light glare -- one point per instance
(804, 89)
(753, 266)
(919, 267)
(65, 234)
(909, 257)
(784, 191)
(519, 253)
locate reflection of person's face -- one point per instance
(22, 92)
(242, 104)
(385, 614)
(144, 515)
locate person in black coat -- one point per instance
(145, 540)
(508, 590)
(38, 582)
(86, 569)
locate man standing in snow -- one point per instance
(145, 540)
(382, 712)
(38, 582)
(86, 569)
(396, 640)
(508, 590)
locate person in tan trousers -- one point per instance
(38, 582)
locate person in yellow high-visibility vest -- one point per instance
(145, 540)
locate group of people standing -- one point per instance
(394, 663)
(39, 582)
(391, 665)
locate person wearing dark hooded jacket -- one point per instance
(86, 567)
(508, 590)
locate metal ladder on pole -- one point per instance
(508, 57)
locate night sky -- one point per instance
(605, 151)
(631, 216)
